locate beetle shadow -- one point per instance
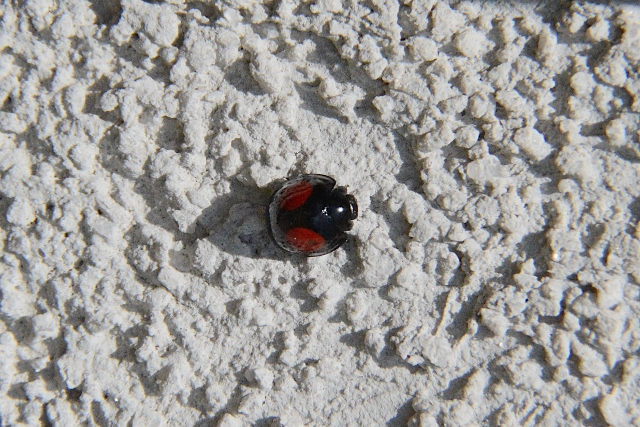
(239, 227)
(237, 224)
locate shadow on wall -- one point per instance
(240, 228)
(107, 12)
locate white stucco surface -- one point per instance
(492, 277)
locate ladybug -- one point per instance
(309, 215)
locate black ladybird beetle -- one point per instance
(309, 215)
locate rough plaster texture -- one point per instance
(492, 278)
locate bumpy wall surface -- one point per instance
(492, 277)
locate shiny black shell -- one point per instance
(310, 215)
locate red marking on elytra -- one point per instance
(304, 240)
(296, 196)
